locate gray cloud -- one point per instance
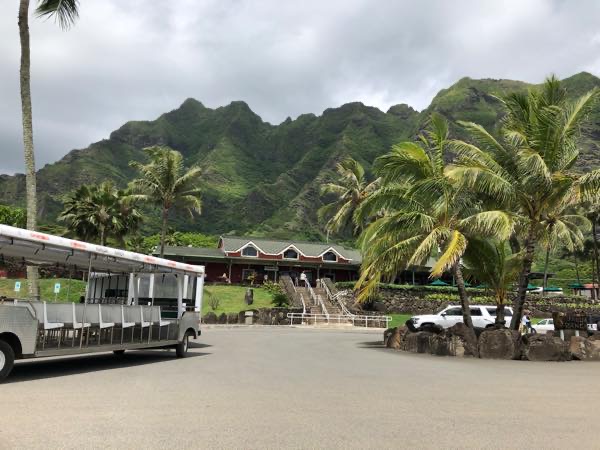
(135, 59)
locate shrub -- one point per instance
(213, 301)
(280, 300)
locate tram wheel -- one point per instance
(182, 347)
(7, 359)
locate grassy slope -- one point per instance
(70, 290)
(231, 299)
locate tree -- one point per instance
(65, 12)
(15, 217)
(424, 213)
(351, 189)
(491, 262)
(97, 212)
(167, 184)
(528, 169)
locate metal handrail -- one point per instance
(303, 303)
(317, 300)
(339, 318)
(336, 298)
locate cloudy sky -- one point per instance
(135, 59)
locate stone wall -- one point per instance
(414, 301)
(262, 316)
(495, 344)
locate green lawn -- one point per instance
(398, 319)
(231, 299)
(73, 288)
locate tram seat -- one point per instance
(41, 313)
(125, 324)
(156, 319)
(135, 313)
(94, 312)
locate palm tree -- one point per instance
(96, 213)
(350, 191)
(528, 170)
(423, 213)
(491, 262)
(66, 12)
(167, 184)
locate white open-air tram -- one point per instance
(132, 301)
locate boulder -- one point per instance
(210, 318)
(595, 336)
(583, 349)
(500, 344)
(464, 340)
(232, 318)
(547, 348)
(443, 345)
(393, 336)
(418, 342)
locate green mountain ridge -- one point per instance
(264, 179)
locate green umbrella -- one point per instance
(532, 287)
(481, 286)
(577, 286)
(438, 282)
(467, 284)
(552, 289)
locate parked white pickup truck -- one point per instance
(483, 316)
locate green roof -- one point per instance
(577, 286)
(275, 247)
(438, 282)
(197, 252)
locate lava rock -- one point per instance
(547, 348)
(500, 344)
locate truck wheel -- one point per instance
(182, 347)
(7, 360)
(119, 352)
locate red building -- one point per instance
(241, 258)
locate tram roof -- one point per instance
(41, 249)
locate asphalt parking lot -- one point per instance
(297, 388)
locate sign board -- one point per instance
(570, 321)
(17, 286)
(56, 288)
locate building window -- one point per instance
(330, 257)
(290, 254)
(250, 251)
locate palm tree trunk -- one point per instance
(163, 231)
(102, 235)
(596, 267)
(545, 284)
(26, 114)
(524, 277)
(577, 270)
(500, 300)
(462, 293)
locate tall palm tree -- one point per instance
(96, 213)
(65, 12)
(423, 214)
(350, 191)
(167, 184)
(528, 169)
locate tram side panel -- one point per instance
(18, 327)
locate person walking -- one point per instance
(303, 279)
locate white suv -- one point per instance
(483, 316)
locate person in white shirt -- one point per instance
(303, 278)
